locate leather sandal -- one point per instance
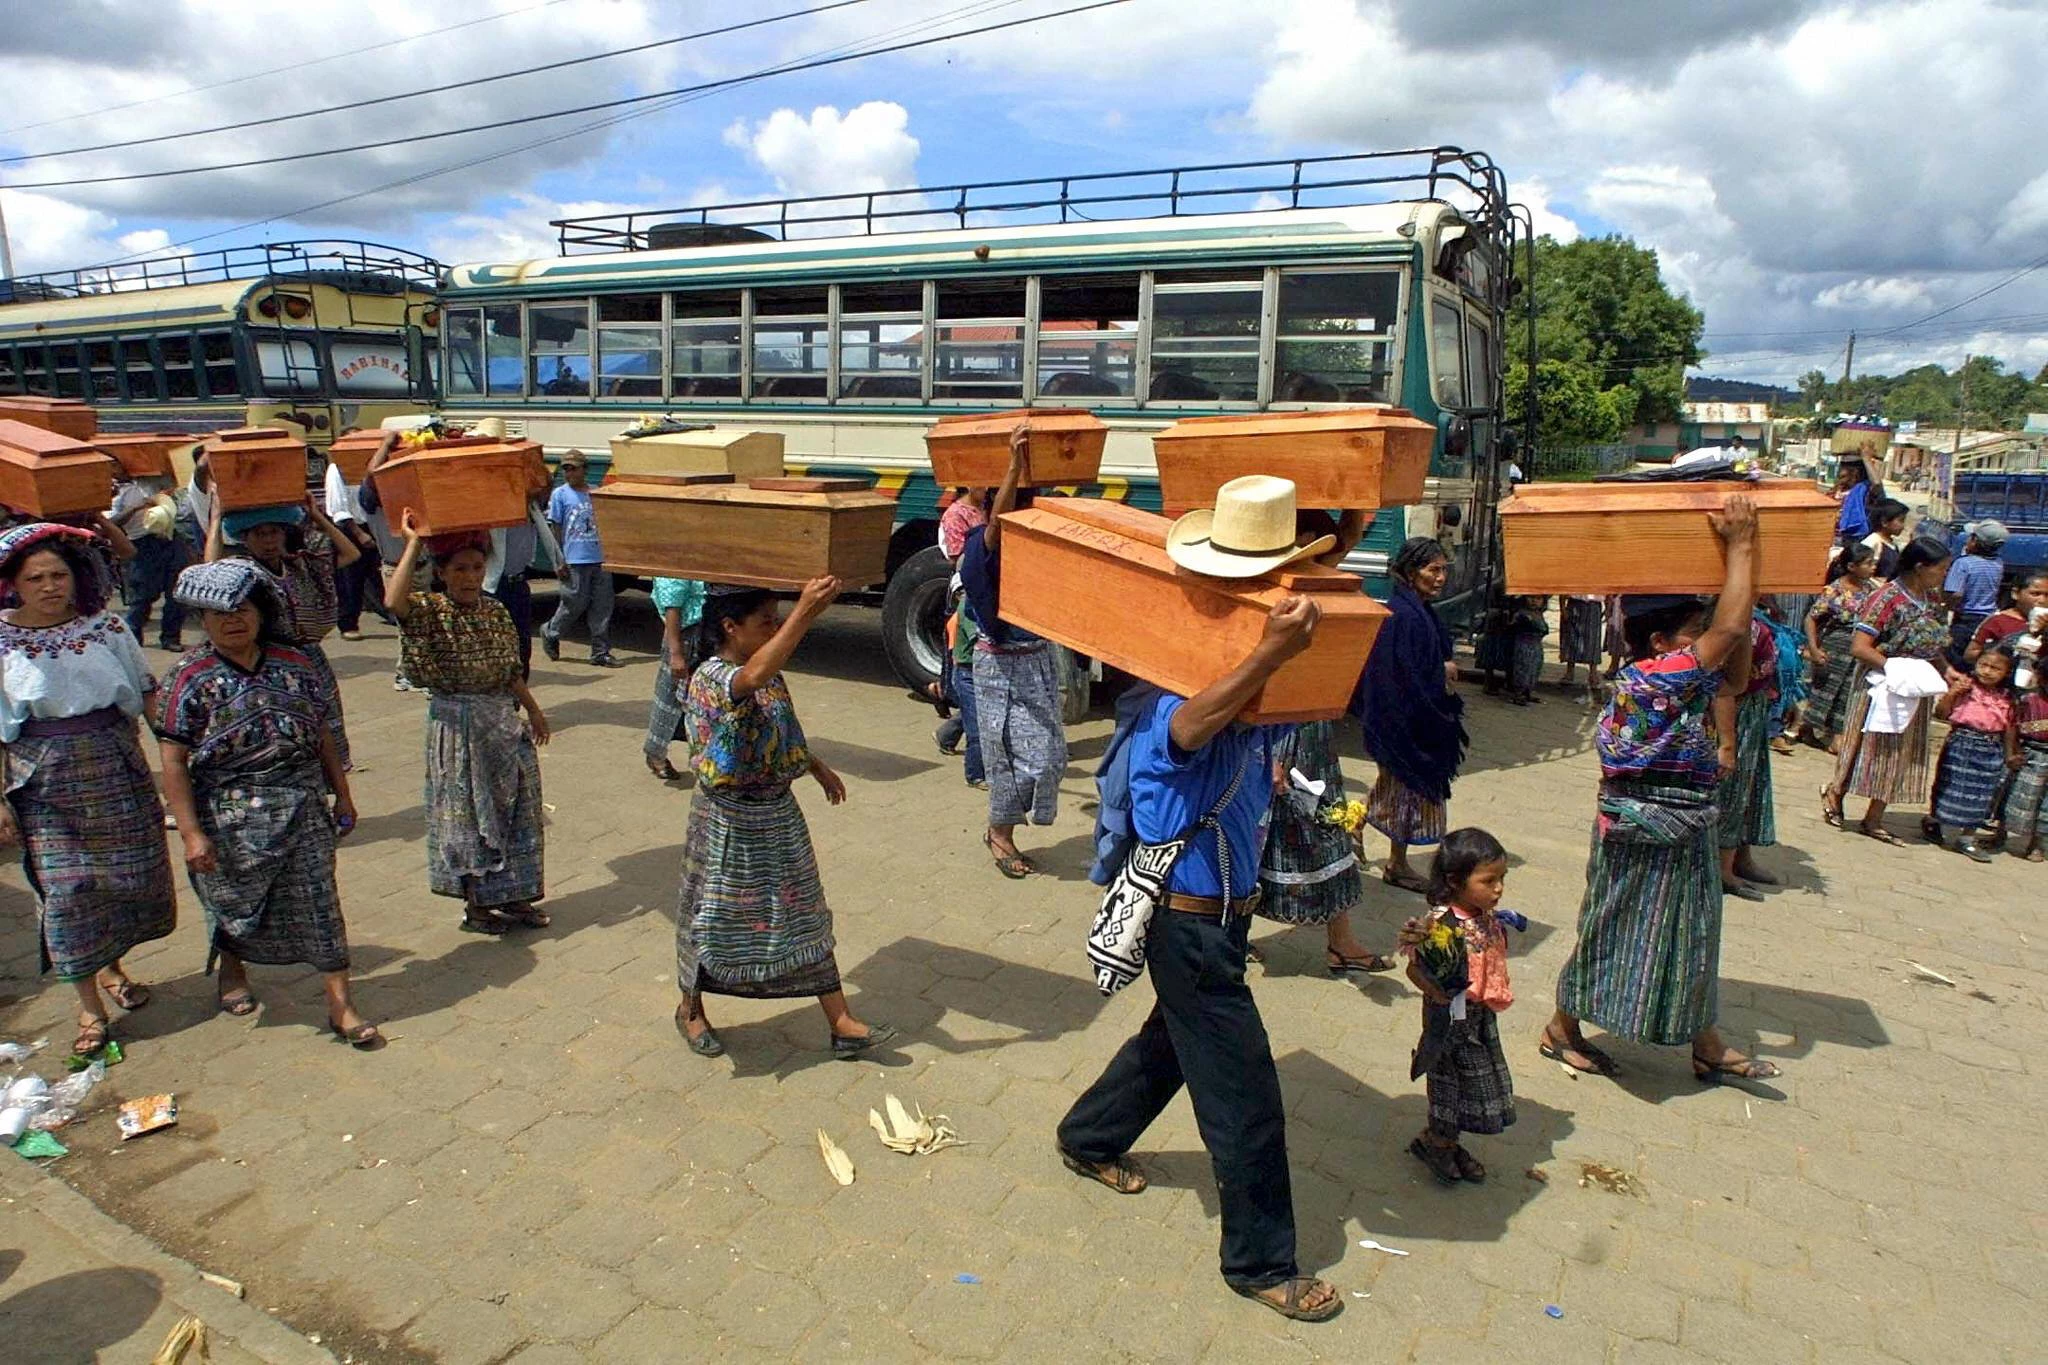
(92, 1037)
(1364, 962)
(1015, 866)
(1741, 1069)
(239, 1003)
(1289, 1304)
(129, 995)
(1121, 1175)
(1441, 1163)
(363, 1037)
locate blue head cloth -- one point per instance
(234, 525)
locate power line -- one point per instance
(964, 11)
(2019, 274)
(433, 89)
(629, 100)
(279, 70)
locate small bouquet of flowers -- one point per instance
(1437, 946)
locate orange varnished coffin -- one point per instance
(144, 454)
(731, 533)
(973, 450)
(1613, 538)
(468, 483)
(65, 416)
(1095, 577)
(46, 474)
(1354, 458)
(256, 467)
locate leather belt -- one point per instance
(1213, 905)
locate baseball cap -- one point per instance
(576, 457)
(1990, 534)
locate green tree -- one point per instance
(1571, 407)
(1814, 390)
(1602, 302)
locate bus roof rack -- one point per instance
(1172, 192)
(359, 263)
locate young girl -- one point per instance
(1982, 743)
(1470, 1090)
(2022, 818)
(1526, 657)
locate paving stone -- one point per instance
(765, 1311)
(465, 1332)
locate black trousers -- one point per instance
(517, 595)
(352, 581)
(1204, 1032)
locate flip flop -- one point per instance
(1882, 835)
(129, 995)
(1364, 962)
(1830, 810)
(1747, 1069)
(1602, 1064)
(363, 1037)
(241, 1004)
(1015, 866)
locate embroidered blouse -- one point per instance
(1904, 626)
(447, 647)
(311, 599)
(685, 595)
(1656, 724)
(247, 727)
(1763, 658)
(1839, 601)
(54, 672)
(2032, 718)
(1982, 709)
(1486, 957)
(744, 744)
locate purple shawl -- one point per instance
(1414, 723)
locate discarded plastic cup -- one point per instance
(25, 1089)
(13, 1123)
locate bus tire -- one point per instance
(914, 616)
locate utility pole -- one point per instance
(1848, 360)
(6, 252)
(1962, 414)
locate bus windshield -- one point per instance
(370, 367)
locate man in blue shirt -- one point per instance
(1204, 1030)
(1972, 585)
(586, 589)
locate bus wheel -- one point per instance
(914, 610)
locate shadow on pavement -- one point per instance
(74, 1316)
(917, 983)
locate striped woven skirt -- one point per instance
(751, 917)
(1887, 768)
(1023, 744)
(312, 650)
(1583, 631)
(1403, 815)
(665, 717)
(1967, 780)
(485, 844)
(272, 899)
(1748, 814)
(92, 834)
(1469, 1088)
(2023, 802)
(1648, 958)
(1834, 684)
(1309, 873)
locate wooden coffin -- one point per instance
(1363, 458)
(1610, 538)
(353, 451)
(256, 467)
(973, 449)
(144, 454)
(1095, 577)
(65, 416)
(46, 474)
(709, 450)
(468, 483)
(731, 533)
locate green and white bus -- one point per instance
(849, 324)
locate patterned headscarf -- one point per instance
(92, 578)
(234, 525)
(225, 584)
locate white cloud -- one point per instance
(867, 148)
(1535, 196)
(1870, 293)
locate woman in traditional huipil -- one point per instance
(312, 598)
(681, 604)
(78, 793)
(1414, 722)
(1647, 963)
(484, 839)
(1830, 626)
(249, 760)
(751, 916)
(1901, 620)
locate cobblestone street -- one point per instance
(536, 1170)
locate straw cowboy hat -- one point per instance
(1250, 532)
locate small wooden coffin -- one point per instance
(464, 483)
(144, 454)
(973, 449)
(46, 474)
(353, 451)
(1095, 577)
(256, 467)
(732, 533)
(1362, 458)
(65, 416)
(711, 450)
(1612, 538)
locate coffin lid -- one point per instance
(738, 494)
(1040, 420)
(1537, 498)
(1282, 424)
(27, 438)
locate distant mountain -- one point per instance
(1701, 389)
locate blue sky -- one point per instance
(1803, 168)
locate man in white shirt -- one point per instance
(159, 555)
(344, 508)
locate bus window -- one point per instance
(978, 351)
(144, 384)
(629, 346)
(1336, 335)
(558, 348)
(1478, 364)
(180, 379)
(289, 368)
(881, 341)
(1205, 337)
(704, 344)
(369, 367)
(35, 370)
(463, 357)
(101, 376)
(66, 381)
(504, 351)
(1088, 336)
(792, 342)
(217, 352)
(10, 377)
(1447, 353)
